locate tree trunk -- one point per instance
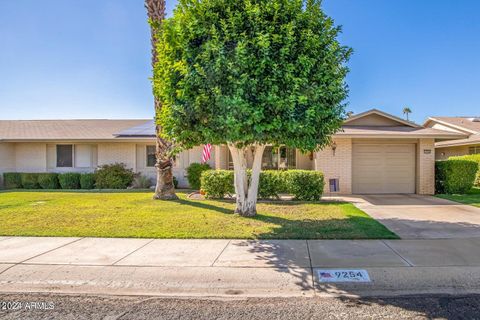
(246, 193)
(164, 189)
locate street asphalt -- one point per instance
(123, 308)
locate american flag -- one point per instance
(206, 152)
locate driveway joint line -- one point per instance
(311, 268)
(128, 254)
(63, 245)
(23, 261)
(398, 254)
(221, 252)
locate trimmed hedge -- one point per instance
(472, 157)
(272, 183)
(87, 181)
(455, 176)
(48, 181)
(70, 180)
(194, 172)
(29, 180)
(12, 180)
(113, 176)
(304, 185)
(217, 183)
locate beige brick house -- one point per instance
(470, 126)
(373, 153)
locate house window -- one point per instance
(151, 156)
(274, 158)
(474, 150)
(65, 156)
(279, 158)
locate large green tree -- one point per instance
(248, 73)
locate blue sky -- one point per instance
(91, 58)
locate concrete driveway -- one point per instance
(420, 217)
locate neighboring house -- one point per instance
(470, 126)
(373, 153)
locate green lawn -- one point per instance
(471, 198)
(135, 214)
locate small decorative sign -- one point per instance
(340, 275)
(427, 151)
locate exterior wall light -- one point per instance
(334, 147)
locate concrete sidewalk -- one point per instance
(236, 267)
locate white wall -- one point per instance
(7, 159)
(31, 157)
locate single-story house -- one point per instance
(373, 153)
(470, 126)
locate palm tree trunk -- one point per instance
(165, 189)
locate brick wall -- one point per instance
(426, 166)
(31, 157)
(338, 166)
(117, 152)
(445, 153)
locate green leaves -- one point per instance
(250, 71)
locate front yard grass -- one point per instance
(471, 198)
(136, 215)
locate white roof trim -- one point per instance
(383, 114)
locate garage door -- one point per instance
(383, 168)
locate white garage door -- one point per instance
(383, 168)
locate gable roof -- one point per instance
(399, 121)
(93, 129)
(465, 124)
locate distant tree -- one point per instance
(165, 188)
(406, 112)
(349, 114)
(249, 74)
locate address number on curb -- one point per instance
(347, 275)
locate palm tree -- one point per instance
(165, 189)
(406, 112)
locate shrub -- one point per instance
(141, 182)
(455, 175)
(70, 180)
(175, 182)
(472, 157)
(12, 180)
(48, 180)
(87, 181)
(305, 185)
(272, 182)
(194, 172)
(217, 183)
(29, 180)
(113, 176)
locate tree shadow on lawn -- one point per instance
(357, 227)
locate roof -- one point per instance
(34, 130)
(462, 123)
(472, 140)
(397, 132)
(94, 129)
(146, 129)
(400, 121)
